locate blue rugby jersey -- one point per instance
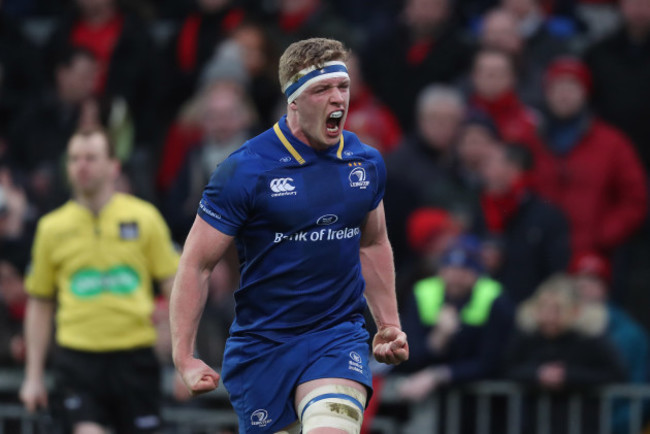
(296, 215)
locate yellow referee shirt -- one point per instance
(100, 268)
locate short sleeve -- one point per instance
(227, 198)
(162, 256)
(40, 274)
(381, 179)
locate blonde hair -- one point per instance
(309, 52)
(560, 285)
(590, 320)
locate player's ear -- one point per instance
(293, 106)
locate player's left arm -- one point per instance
(389, 344)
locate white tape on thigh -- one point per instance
(332, 406)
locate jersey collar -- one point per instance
(297, 148)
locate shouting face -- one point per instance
(320, 112)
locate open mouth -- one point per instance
(333, 121)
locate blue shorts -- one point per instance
(261, 376)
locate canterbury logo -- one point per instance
(282, 185)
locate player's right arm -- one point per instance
(38, 332)
(204, 247)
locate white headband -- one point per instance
(310, 75)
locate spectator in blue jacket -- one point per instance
(593, 275)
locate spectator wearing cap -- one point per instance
(527, 238)
(458, 322)
(587, 167)
(620, 64)
(429, 231)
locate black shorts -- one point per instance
(120, 389)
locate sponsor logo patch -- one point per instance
(90, 282)
(318, 235)
(282, 187)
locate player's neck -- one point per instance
(298, 133)
(95, 201)
(294, 127)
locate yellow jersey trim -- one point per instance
(285, 142)
(339, 153)
(292, 150)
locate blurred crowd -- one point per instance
(516, 135)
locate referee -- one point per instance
(94, 261)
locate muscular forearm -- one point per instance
(379, 274)
(38, 332)
(188, 297)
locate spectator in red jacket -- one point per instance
(620, 64)
(494, 92)
(588, 167)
